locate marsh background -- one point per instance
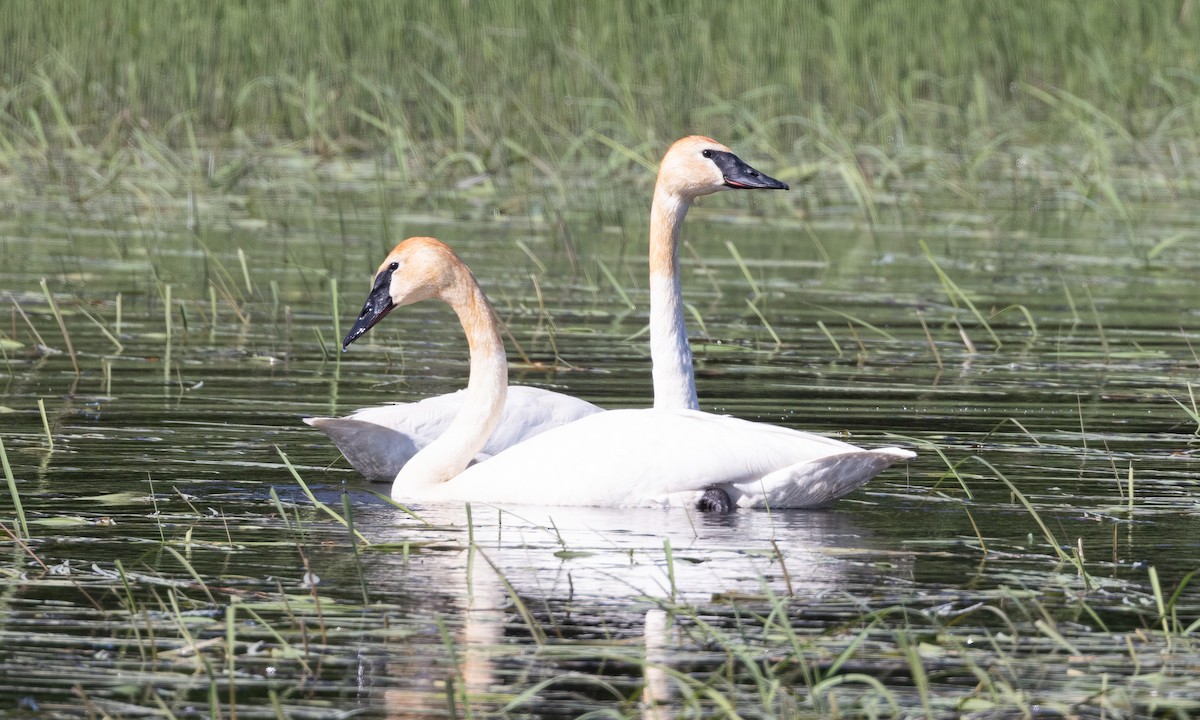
(989, 255)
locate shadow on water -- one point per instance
(1034, 560)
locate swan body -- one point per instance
(664, 457)
(618, 458)
(378, 441)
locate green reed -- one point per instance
(335, 75)
(22, 527)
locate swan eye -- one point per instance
(394, 266)
(706, 153)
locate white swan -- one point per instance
(377, 441)
(618, 458)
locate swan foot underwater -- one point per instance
(617, 458)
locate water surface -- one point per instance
(174, 561)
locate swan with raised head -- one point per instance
(621, 458)
(377, 441)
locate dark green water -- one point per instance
(156, 544)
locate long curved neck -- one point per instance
(674, 381)
(482, 402)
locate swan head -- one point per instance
(417, 269)
(697, 165)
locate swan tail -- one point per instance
(376, 452)
(816, 483)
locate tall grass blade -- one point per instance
(46, 425)
(22, 527)
(955, 293)
(317, 503)
(62, 325)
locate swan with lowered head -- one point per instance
(643, 457)
(377, 441)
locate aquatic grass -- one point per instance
(737, 258)
(317, 503)
(46, 425)
(168, 332)
(62, 325)
(131, 607)
(1192, 412)
(29, 324)
(853, 321)
(22, 527)
(456, 685)
(1099, 323)
(536, 632)
(954, 293)
(832, 340)
(348, 513)
(670, 559)
(765, 323)
(616, 286)
(937, 356)
(1033, 513)
(323, 346)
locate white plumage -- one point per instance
(378, 441)
(618, 458)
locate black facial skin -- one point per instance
(379, 303)
(739, 175)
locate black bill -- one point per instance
(379, 303)
(741, 176)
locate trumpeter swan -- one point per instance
(377, 441)
(651, 456)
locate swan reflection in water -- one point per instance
(483, 613)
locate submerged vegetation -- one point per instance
(988, 256)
